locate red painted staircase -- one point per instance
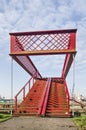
(57, 105)
(47, 97)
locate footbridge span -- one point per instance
(45, 96)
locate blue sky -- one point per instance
(32, 15)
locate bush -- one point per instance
(80, 122)
(76, 114)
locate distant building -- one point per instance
(6, 105)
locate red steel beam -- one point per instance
(44, 32)
(26, 63)
(67, 64)
(43, 52)
(70, 56)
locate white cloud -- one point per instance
(79, 7)
(27, 15)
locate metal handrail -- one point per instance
(67, 95)
(28, 84)
(43, 103)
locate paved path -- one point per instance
(38, 123)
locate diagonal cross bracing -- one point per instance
(43, 42)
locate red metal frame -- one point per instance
(52, 42)
(24, 44)
(43, 42)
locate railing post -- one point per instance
(29, 85)
(13, 42)
(11, 86)
(23, 93)
(33, 80)
(68, 96)
(15, 104)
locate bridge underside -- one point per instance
(46, 96)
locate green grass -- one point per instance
(4, 117)
(80, 122)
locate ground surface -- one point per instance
(38, 123)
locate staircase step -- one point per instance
(58, 115)
(25, 114)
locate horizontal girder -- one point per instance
(44, 52)
(44, 32)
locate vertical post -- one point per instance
(73, 76)
(23, 93)
(29, 85)
(73, 40)
(16, 104)
(73, 84)
(32, 81)
(11, 86)
(13, 41)
(68, 96)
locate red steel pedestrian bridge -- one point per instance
(43, 96)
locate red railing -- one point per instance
(44, 100)
(20, 96)
(67, 95)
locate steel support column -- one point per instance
(67, 64)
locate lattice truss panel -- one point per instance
(43, 42)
